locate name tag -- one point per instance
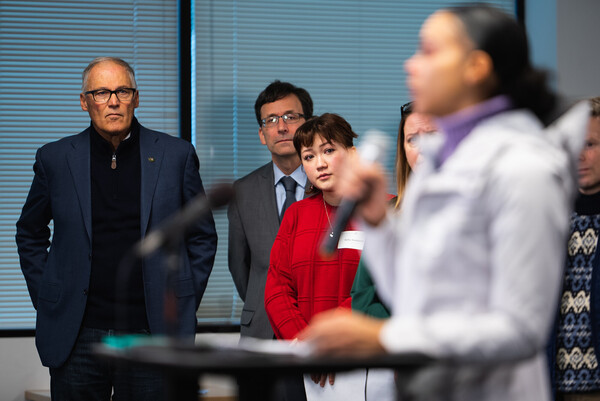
(352, 240)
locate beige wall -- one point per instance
(20, 368)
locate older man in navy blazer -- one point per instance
(104, 189)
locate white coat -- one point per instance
(472, 268)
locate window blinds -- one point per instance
(44, 47)
(348, 54)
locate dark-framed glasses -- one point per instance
(406, 109)
(288, 118)
(103, 95)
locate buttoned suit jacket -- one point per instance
(58, 272)
(253, 224)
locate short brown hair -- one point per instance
(332, 127)
(277, 90)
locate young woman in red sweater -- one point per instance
(301, 283)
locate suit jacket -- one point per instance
(253, 225)
(58, 272)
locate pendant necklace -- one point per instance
(327, 214)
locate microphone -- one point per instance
(175, 228)
(372, 149)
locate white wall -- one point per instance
(578, 58)
(20, 369)
(562, 34)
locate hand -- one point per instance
(365, 183)
(321, 378)
(342, 332)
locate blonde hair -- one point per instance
(403, 169)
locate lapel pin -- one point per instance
(151, 159)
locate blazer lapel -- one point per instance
(78, 160)
(151, 155)
(269, 203)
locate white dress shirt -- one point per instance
(298, 175)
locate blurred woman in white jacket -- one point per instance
(472, 268)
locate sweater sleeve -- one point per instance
(281, 297)
(364, 294)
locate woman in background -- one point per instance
(472, 267)
(412, 126)
(300, 283)
(379, 383)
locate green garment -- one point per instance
(364, 296)
(363, 293)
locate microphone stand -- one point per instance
(171, 248)
(173, 260)
(179, 386)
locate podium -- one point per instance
(257, 373)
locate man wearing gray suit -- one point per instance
(261, 198)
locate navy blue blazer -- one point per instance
(58, 272)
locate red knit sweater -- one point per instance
(300, 283)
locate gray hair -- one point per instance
(595, 105)
(98, 60)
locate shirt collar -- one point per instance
(130, 138)
(298, 175)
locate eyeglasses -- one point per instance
(103, 95)
(406, 109)
(289, 118)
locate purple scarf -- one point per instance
(455, 127)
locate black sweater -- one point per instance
(588, 205)
(115, 229)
